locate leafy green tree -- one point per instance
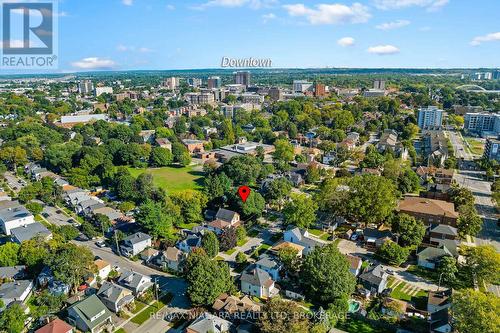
(34, 207)
(241, 258)
(12, 319)
(228, 239)
(13, 156)
(89, 230)
(312, 173)
(253, 207)
(8, 254)
(68, 232)
(392, 253)
(289, 257)
(280, 316)
(461, 196)
(34, 252)
(277, 190)
(300, 211)
(447, 269)
(126, 206)
(411, 232)
(71, 263)
(217, 185)
(206, 279)
(160, 157)
(243, 170)
(475, 312)
(483, 262)
(408, 181)
(156, 218)
(191, 203)
(210, 244)
(325, 275)
(283, 154)
(342, 119)
(469, 222)
(373, 159)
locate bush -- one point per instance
(34, 207)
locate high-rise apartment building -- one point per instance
(214, 82)
(275, 94)
(482, 123)
(379, 84)
(194, 82)
(85, 87)
(301, 86)
(430, 118)
(242, 77)
(171, 83)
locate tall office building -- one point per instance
(214, 82)
(319, 90)
(301, 86)
(275, 94)
(171, 83)
(379, 84)
(85, 87)
(194, 82)
(242, 77)
(430, 118)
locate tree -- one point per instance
(476, 312)
(12, 319)
(279, 316)
(277, 190)
(312, 173)
(241, 258)
(13, 156)
(325, 275)
(289, 257)
(469, 222)
(8, 254)
(156, 219)
(484, 263)
(447, 270)
(210, 244)
(206, 279)
(34, 252)
(35, 208)
(373, 159)
(283, 154)
(408, 181)
(71, 263)
(243, 170)
(253, 207)
(241, 233)
(217, 185)
(410, 231)
(191, 204)
(160, 157)
(392, 253)
(68, 232)
(461, 196)
(300, 211)
(228, 239)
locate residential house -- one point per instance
(374, 280)
(192, 241)
(149, 254)
(440, 322)
(443, 232)
(90, 315)
(228, 215)
(113, 215)
(389, 141)
(438, 300)
(103, 269)
(232, 305)
(218, 226)
(16, 291)
(303, 238)
(136, 282)
(88, 206)
(13, 215)
(30, 231)
(164, 143)
(13, 272)
(114, 297)
(47, 280)
(270, 265)
(375, 238)
(194, 146)
(208, 323)
(283, 244)
(430, 257)
(429, 211)
(56, 326)
(434, 147)
(172, 258)
(257, 282)
(135, 244)
(355, 264)
(147, 135)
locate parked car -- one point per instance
(354, 237)
(100, 244)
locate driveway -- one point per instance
(15, 183)
(55, 216)
(263, 237)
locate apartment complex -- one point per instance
(242, 77)
(483, 123)
(430, 118)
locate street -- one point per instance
(15, 183)
(458, 146)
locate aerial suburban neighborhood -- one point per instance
(249, 198)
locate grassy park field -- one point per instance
(173, 179)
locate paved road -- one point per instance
(458, 145)
(15, 183)
(51, 214)
(167, 282)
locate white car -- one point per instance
(354, 237)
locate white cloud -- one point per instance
(268, 17)
(125, 48)
(128, 2)
(94, 63)
(144, 50)
(330, 13)
(346, 41)
(170, 7)
(393, 25)
(495, 36)
(431, 5)
(383, 49)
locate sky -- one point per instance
(190, 34)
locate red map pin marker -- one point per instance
(244, 192)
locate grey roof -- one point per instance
(434, 253)
(225, 215)
(12, 210)
(12, 272)
(131, 279)
(112, 292)
(268, 262)
(445, 230)
(90, 308)
(209, 323)
(15, 289)
(439, 319)
(255, 277)
(374, 276)
(29, 231)
(138, 237)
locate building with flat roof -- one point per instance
(13, 215)
(483, 123)
(214, 82)
(301, 86)
(492, 149)
(430, 118)
(242, 77)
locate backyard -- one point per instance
(173, 179)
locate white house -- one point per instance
(16, 291)
(14, 215)
(135, 244)
(257, 282)
(303, 238)
(271, 266)
(103, 269)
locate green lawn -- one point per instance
(242, 242)
(121, 330)
(229, 252)
(138, 306)
(419, 299)
(316, 232)
(477, 147)
(358, 326)
(173, 179)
